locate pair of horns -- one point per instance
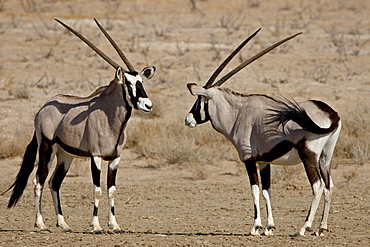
(97, 50)
(244, 64)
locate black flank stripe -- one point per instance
(71, 150)
(276, 152)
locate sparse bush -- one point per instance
(320, 72)
(254, 3)
(232, 21)
(360, 153)
(337, 39)
(29, 6)
(21, 92)
(2, 4)
(350, 175)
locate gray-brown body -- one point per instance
(84, 127)
(265, 130)
(268, 131)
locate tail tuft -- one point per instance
(27, 166)
(291, 110)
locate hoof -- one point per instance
(268, 233)
(45, 230)
(68, 231)
(118, 231)
(272, 227)
(255, 230)
(296, 235)
(268, 230)
(97, 232)
(320, 232)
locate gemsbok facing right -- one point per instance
(265, 130)
(92, 127)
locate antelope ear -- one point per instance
(197, 90)
(148, 72)
(119, 75)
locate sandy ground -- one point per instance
(165, 207)
(169, 205)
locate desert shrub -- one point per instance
(19, 91)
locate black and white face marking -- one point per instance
(135, 93)
(198, 113)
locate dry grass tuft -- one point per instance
(174, 143)
(284, 173)
(353, 140)
(361, 154)
(79, 168)
(350, 175)
(19, 91)
(14, 145)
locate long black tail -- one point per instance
(27, 166)
(293, 111)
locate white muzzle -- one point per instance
(190, 121)
(144, 105)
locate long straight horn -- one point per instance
(252, 59)
(123, 57)
(92, 46)
(227, 60)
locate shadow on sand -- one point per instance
(146, 232)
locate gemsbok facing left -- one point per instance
(265, 130)
(71, 127)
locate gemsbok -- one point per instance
(71, 127)
(268, 131)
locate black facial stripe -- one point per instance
(130, 95)
(140, 92)
(197, 109)
(206, 111)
